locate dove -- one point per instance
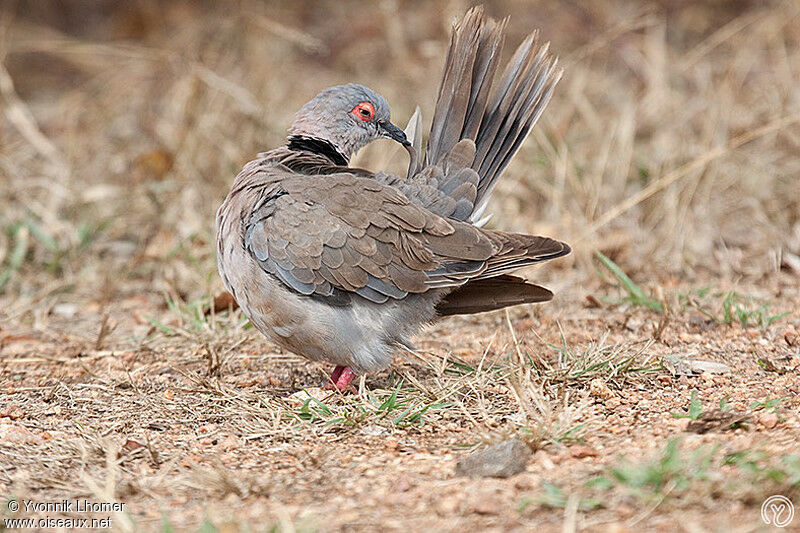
(344, 265)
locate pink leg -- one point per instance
(345, 378)
(341, 378)
(335, 374)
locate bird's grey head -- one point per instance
(346, 116)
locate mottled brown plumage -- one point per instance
(340, 264)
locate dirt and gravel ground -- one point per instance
(201, 423)
(669, 402)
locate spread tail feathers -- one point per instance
(499, 120)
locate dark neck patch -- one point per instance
(298, 143)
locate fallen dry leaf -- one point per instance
(716, 420)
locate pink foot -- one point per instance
(341, 378)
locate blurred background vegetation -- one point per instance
(671, 143)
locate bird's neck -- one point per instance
(302, 143)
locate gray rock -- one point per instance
(711, 367)
(691, 367)
(65, 310)
(504, 459)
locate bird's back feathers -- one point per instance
(329, 233)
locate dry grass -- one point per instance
(670, 146)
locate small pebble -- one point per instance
(768, 420)
(504, 459)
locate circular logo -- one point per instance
(777, 511)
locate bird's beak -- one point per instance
(393, 132)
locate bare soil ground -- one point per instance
(200, 423)
(665, 403)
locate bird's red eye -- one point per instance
(364, 111)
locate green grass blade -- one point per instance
(635, 293)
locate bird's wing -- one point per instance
(336, 235)
(448, 189)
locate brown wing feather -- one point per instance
(332, 235)
(341, 232)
